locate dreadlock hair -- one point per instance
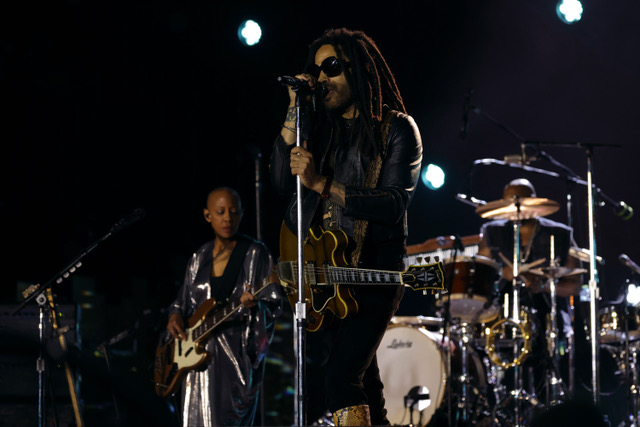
(373, 86)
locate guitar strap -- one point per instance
(224, 284)
(373, 173)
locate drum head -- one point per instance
(413, 373)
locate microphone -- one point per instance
(136, 215)
(299, 84)
(470, 200)
(627, 261)
(464, 128)
(624, 211)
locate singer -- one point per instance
(359, 165)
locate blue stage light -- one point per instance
(432, 176)
(569, 11)
(250, 32)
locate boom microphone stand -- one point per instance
(37, 292)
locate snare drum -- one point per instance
(473, 286)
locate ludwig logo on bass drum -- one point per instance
(400, 344)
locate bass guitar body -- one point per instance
(177, 357)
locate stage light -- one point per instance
(432, 176)
(249, 32)
(633, 294)
(569, 11)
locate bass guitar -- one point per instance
(175, 358)
(328, 280)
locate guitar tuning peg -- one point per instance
(427, 259)
(419, 259)
(437, 258)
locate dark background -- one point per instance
(114, 106)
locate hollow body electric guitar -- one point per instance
(175, 358)
(328, 280)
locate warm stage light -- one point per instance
(249, 33)
(569, 11)
(432, 176)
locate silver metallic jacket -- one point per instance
(226, 393)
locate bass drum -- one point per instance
(413, 370)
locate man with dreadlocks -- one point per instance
(359, 165)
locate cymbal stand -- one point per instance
(552, 378)
(464, 407)
(515, 313)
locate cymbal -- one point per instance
(529, 207)
(557, 272)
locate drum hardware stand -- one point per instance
(631, 372)
(515, 312)
(553, 379)
(518, 393)
(446, 327)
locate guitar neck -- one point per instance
(356, 276)
(202, 331)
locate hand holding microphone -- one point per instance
(301, 83)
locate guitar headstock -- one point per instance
(423, 277)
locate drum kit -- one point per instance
(475, 362)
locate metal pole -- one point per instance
(300, 311)
(593, 288)
(257, 160)
(517, 370)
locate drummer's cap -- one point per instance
(521, 187)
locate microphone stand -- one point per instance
(256, 159)
(37, 292)
(301, 306)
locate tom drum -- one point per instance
(472, 282)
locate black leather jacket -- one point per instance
(384, 207)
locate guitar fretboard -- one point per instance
(210, 322)
(353, 276)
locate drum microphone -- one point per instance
(624, 211)
(415, 395)
(458, 244)
(627, 261)
(470, 200)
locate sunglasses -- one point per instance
(331, 67)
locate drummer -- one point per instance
(497, 242)
(535, 242)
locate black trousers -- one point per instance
(350, 368)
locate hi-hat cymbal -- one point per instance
(518, 209)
